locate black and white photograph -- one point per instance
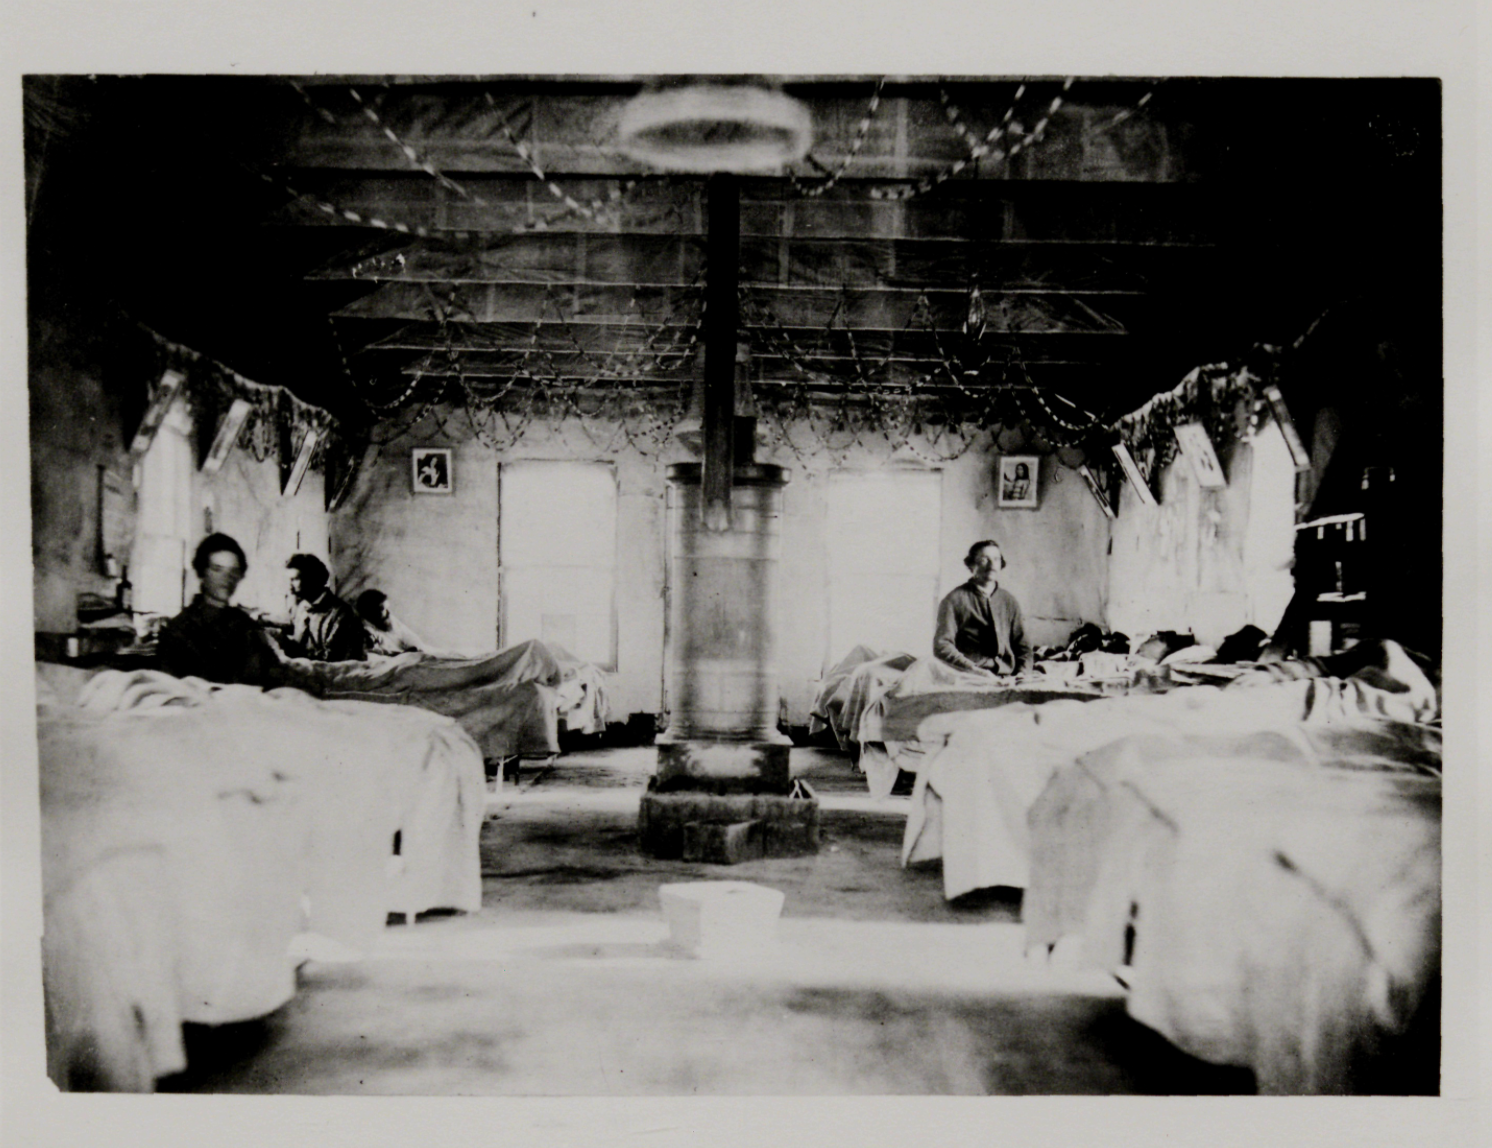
(1018, 480)
(430, 470)
(733, 728)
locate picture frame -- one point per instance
(1018, 481)
(432, 470)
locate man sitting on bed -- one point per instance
(323, 627)
(979, 623)
(212, 639)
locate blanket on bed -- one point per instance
(510, 702)
(191, 832)
(860, 679)
(1271, 901)
(972, 797)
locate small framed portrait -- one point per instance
(431, 470)
(1018, 480)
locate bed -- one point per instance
(1268, 902)
(513, 703)
(199, 841)
(972, 798)
(876, 705)
(1259, 863)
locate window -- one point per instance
(884, 532)
(166, 521)
(557, 556)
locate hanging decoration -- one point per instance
(632, 394)
(573, 205)
(1218, 396)
(862, 131)
(967, 397)
(979, 149)
(267, 416)
(416, 161)
(1139, 478)
(614, 201)
(1127, 113)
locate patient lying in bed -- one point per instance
(388, 636)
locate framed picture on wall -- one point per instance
(1018, 480)
(431, 470)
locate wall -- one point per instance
(75, 430)
(1208, 561)
(77, 427)
(436, 556)
(245, 500)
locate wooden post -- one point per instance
(722, 318)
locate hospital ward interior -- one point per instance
(736, 585)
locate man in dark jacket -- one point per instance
(324, 627)
(211, 638)
(979, 624)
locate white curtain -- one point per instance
(557, 555)
(884, 535)
(166, 524)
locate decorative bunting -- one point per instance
(1099, 490)
(1298, 452)
(1194, 443)
(308, 444)
(162, 395)
(227, 435)
(862, 130)
(1133, 473)
(273, 420)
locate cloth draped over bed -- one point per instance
(510, 702)
(1261, 861)
(190, 833)
(879, 703)
(1270, 901)
(973, 796)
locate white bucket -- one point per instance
(720, 918)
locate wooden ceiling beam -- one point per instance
(871, 310)
(1096, 212)
(765, 368)
(807, 264)
(475, 127)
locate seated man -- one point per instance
(979, 623)
(323, 627)
(212, 639)
(386, 634)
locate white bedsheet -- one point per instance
(186, 844)
(972, 798)
(1266, 908)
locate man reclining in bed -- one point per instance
(980, 627)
